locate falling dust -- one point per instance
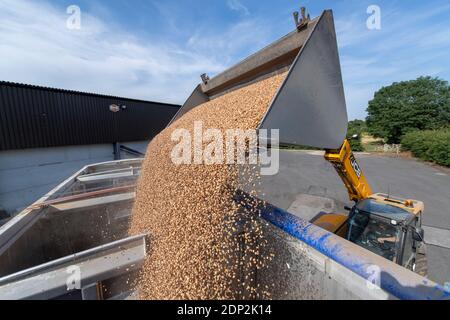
(203, 243)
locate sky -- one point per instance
(156, 50)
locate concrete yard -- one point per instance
(306, 182)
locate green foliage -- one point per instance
(430, 145)
(356, 145)
(421, 104)
(356, 127)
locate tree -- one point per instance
(356, 127)
(402, 107)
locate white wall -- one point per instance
(26, 175)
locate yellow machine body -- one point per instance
(334, 222)
(413, 206)
(344, 161)
(350, 172)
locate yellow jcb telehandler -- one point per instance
(385, 225)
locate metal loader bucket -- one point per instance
(309, 107)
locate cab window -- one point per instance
(373, 233)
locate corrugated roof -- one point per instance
(32, 86)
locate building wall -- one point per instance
(36, 117)
(26, 175)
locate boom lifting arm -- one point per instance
(350, 172)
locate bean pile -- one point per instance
(203, 244)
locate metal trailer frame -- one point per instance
(50, 280)
(119, 259)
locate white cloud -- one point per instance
(37, 48)
(349, 31)
(409, 45)
(236, 5)
(243, 38)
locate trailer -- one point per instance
(73, 243)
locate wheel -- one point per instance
(420, 265)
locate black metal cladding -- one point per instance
(37, 117)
